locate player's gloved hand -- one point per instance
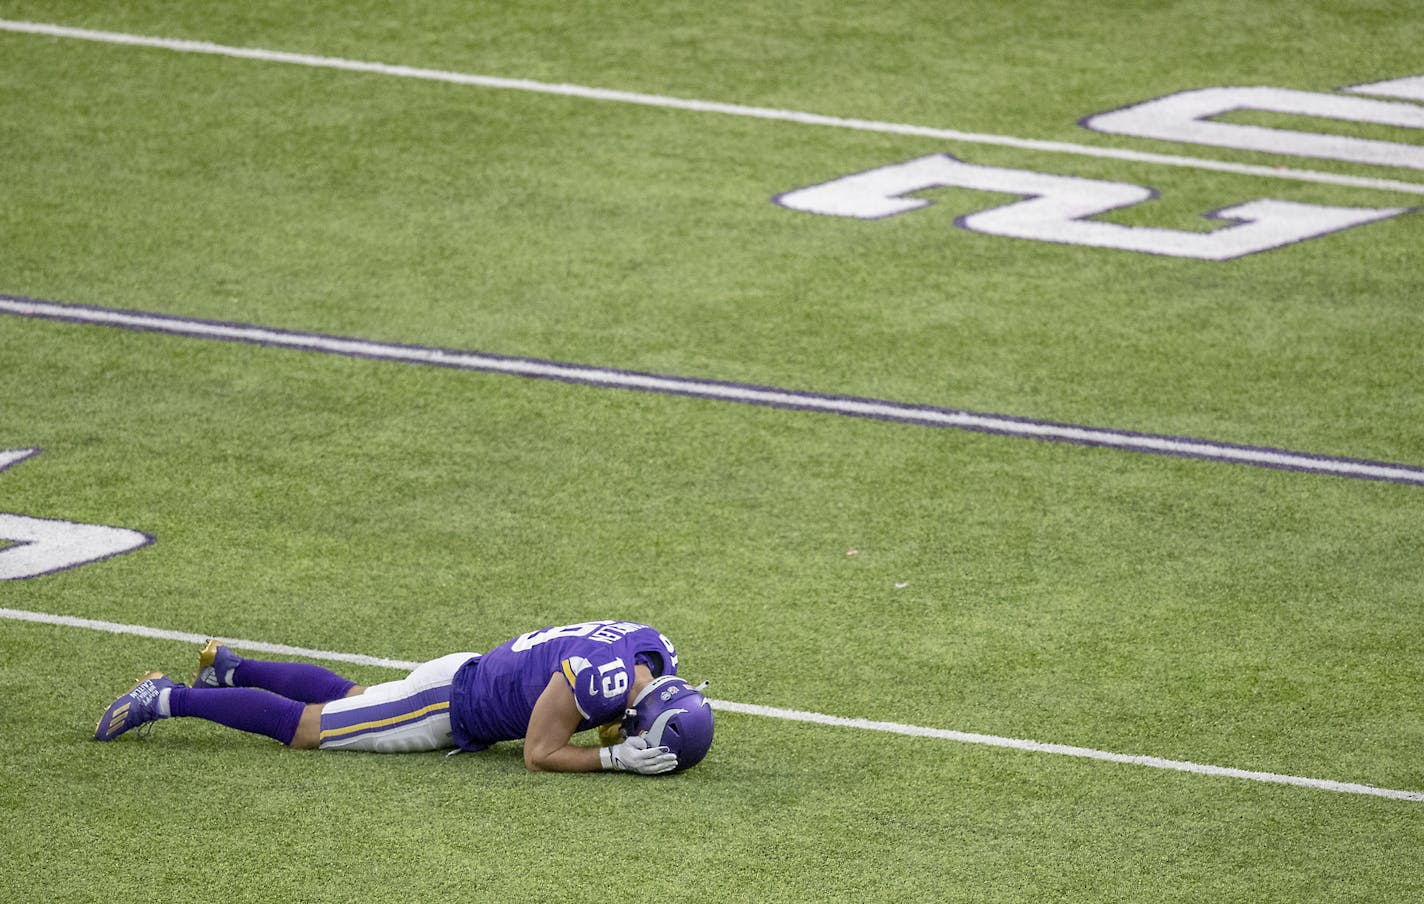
(634, 755)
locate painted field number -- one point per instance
(30, 547)
(1187, 116)
(1058, 209)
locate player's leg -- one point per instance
(156, 696)
(218, 666)
(408, 715)
(248, 709)
(308, 734)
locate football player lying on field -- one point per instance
(544, 687)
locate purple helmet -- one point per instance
(671, 713)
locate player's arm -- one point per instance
(552, 725)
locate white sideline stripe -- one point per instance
(869, 408)
(1156, 762)
(770, 712)
(69, 621)
(705, 106)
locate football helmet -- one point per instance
(671, 713)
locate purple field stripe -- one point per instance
(749, 394)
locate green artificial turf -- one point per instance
(1137, 604)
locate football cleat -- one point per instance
(215, 665)
(137, 707)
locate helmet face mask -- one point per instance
(671, 713)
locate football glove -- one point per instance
(634, 755)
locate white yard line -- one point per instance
(764, 396)
(705, 106)
(1156, 762)
(770, 712)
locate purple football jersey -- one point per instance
(494, 695)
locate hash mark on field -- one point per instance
(770, 712)
(705, 106)
(716, 390)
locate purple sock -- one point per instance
(244, 708)
(293, 680)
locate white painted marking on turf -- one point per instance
(704, 106)
(69, 621)
(730, 392)
(1408, 88)
(1156, 762)
(10, 457)
(44, 545)
(31, 547)
(770, 712)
